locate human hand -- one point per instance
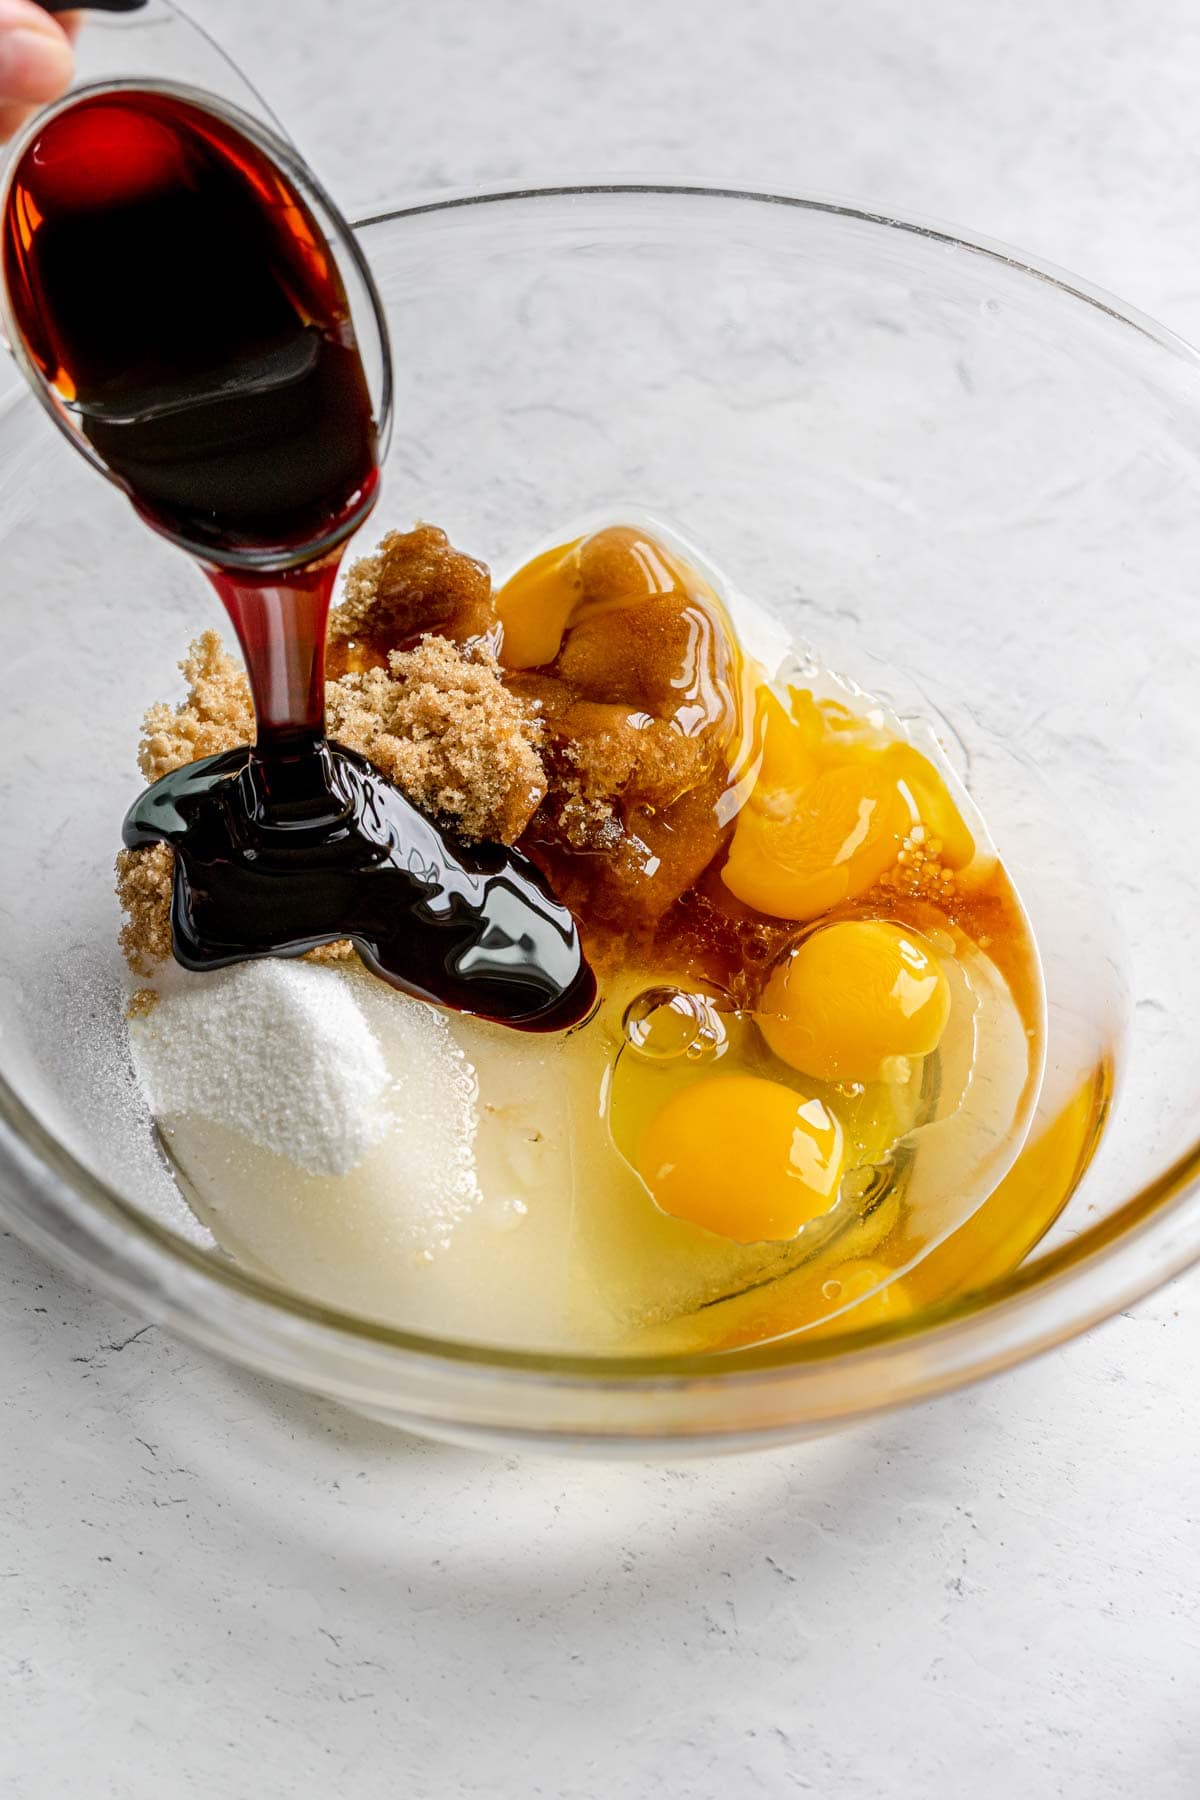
(35, 60)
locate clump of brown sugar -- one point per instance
(416, 582)
(341, 950)
(216, 714)
(640, 707)
(439, 722)
(144, 879)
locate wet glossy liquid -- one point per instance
(181, 301)
(178, 295)
(281, 854)
(280, 620)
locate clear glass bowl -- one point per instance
(908, 445)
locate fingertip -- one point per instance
(13, 115)
(35, 65)
(29, 16)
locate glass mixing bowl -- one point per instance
(908, 445)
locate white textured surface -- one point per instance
(211, 1588)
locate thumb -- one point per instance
(35, 60)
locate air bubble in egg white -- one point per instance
(667, 1024)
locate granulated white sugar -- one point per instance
(323, 1125)
(278, 1051)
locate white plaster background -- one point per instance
(212, 1588)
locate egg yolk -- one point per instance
(747, 1158)
(831, 810)
(535, 606)
(797, 852)
(851, 996)
(946, 836)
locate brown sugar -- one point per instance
(415, 583)
(639, 698)
(439, 722)
(341, 950)
(144, 879)
(217, 713)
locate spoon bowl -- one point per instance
(128, 165)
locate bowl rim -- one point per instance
(54, 1202)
